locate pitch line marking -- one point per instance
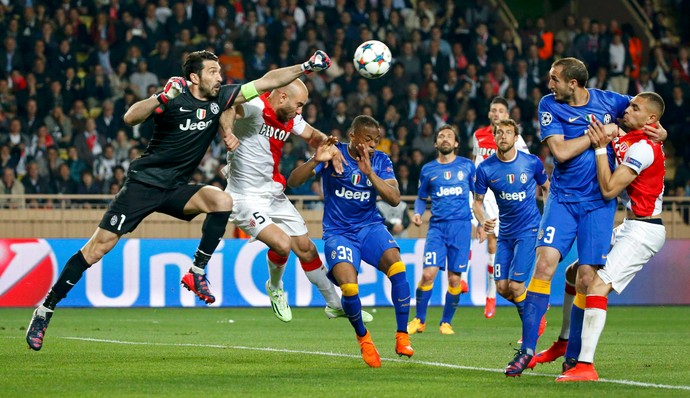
(339, 355)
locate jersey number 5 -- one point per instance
(258, 217)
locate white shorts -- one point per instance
(635, 242)
(254, 213)
(491, 208)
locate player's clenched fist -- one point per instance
(231, 141)
(175, 86)
(318, 62)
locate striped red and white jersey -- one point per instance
(253, 168)
(484, 144)
(646, 159)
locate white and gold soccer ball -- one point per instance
(372, 59)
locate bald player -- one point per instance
(261, 208)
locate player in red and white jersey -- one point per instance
(260, 206)
(484, 146)
(640, 175)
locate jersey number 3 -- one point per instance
(344, 253)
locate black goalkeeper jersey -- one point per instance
(182, 134)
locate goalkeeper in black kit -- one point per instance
(187, 114)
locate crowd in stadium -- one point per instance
(70, 69)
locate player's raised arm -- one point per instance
(227, 126)
(315, 138)
(656, 133)
(563, 150)
(302, 173)
(387, 189)
(611, 184)
(141, 110)
(283, 76)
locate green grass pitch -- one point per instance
(247, 352)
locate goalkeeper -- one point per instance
(187, 115)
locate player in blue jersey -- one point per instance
(575, 208)
(354, 230)
(447, 181)
(513, 176)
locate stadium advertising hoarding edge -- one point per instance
(146, 273)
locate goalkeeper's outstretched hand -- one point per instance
(318, 62)
(175, 86)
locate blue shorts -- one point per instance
(590, 222)
(368, 244)
(515, 258)
(448, 240)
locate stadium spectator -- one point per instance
(10, 186)
(59, 126)
(89, 143)
(34, 184)
(63, 182)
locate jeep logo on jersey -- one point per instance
(355, 179)
(200, 114)
(523, 178)
(519, 196)
(275, 133)
(449, 191)
(194, 126)
(358, 195)
(215, 108)
(27, 271)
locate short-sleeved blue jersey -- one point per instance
(350, 198)
(576, 179)
(514, 183)
(449, 186)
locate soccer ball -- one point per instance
(372, 59)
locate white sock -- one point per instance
(275, 274)
(197, 270)
(592, 326)
(491, 287)
(43, 310)
(567, 307)
(319, 279)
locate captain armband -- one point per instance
(249, 91)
